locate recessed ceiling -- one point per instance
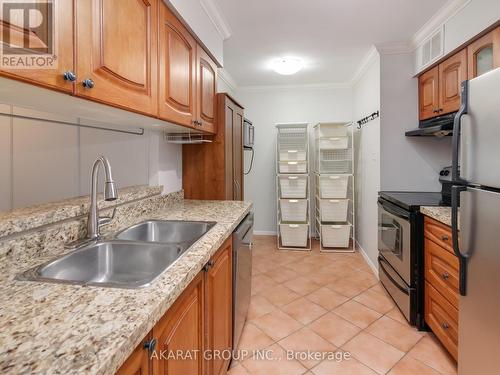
(331, 36)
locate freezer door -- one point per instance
(479, 321)
(479, 144)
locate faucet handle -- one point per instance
(106, 219)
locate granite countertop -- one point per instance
(441, 214)
(66, 329)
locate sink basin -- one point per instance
(162, 231)
(121, 264)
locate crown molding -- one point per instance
(447, 11)
(224, 75)
(217, 18)
(313, 86)
(366, 62)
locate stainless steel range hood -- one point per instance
(440, 126)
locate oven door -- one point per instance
(394, 238)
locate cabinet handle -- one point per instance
(209, 265)
(445, 276)
(435, 110)
(150, 346)
(69, 76)
(445, 238)
(445, 325)
(88, 83)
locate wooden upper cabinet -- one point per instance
(452, 72)
(483, 55)
(116, 53)
(428, 84)
(177, 70)
(207, 80)
(181, 330)
(139, 362)
(38, 39)
(219, 288)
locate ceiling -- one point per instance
(331, 36)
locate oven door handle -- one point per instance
(400, 214)
(396, 284)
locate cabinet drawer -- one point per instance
(439, 233)
(442, 317)
(441, 271)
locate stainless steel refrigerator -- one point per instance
(476, 229)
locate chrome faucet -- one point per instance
(110, 194)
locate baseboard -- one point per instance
(264, 233)
(367, 259)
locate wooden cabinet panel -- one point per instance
(138, 363)
(219, 284)
(181, 331)
(442, 317)
(206, 83)
(452, 72)
(428, 84)
(483, 54)
(177, 70)
(51, 78)
(117, 50)
(441, 270)
(439, 233)
(208, 171)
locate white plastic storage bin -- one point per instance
(333, 210)
(334, 143)
(333, 186)
(292, 167)
(337, 236)
(293, 187)
(332, 130)
(293, 210)
(292, 154)
(294, 235)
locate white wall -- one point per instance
(45, 161)
(407, 163)
(366, 99)
(476, 16)
(267, 107)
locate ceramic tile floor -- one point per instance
(329, 303)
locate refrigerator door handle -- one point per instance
(457, 126)
(462, 258)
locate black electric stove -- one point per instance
(401, 249)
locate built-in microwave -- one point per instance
(248, 134)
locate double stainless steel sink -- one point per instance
(134, 259)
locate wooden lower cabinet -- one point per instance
(219, 303)
(138, 363)
(198, 326)
(441, 284)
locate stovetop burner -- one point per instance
(413, 200)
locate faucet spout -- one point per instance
(110, 194)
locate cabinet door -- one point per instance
(180, 334)
(238, 154)
(428, 86)
(138, 363)
(452, 72)
(219, 289)
(483, 55)
(37, 41)
(177, 70)
(207, 79)
(117, 51)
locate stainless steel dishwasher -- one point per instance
(242, 275)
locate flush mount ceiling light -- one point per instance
(287, 65)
